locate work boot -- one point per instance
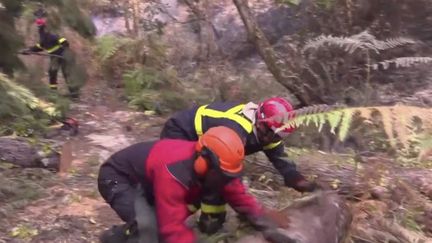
(74, 93)
(113, 235)
(119, 234)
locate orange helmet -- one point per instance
(220, 148)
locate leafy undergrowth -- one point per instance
(390, 203)
(20, 187)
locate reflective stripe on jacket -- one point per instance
(50, 43)
(190, 124)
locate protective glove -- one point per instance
(211, 223)
(65, 44)
(276, 236)
(269, 229)
(305, 186)
(262, 222)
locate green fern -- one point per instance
(327, 4)
(345, 123)
(17, 96)
(145, 100)
(290, 2)
(399, 121)
(402, 62)
(361, 41)
(107, 46)
(140, 79)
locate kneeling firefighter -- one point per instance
(154, 187)
(251, 122)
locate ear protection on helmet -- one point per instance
(206, 160)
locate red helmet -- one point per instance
(40, 22)
(274, 107)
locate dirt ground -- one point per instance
(70, 208)
(390, 204)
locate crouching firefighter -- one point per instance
(56, 47)
(251, 123)
(154, 187)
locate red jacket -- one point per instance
(174, 188)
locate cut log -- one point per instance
(322, 217)
(21, 152)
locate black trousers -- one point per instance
(128, 201)
(56, 63)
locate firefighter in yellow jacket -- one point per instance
(258, 133)
(56, 47)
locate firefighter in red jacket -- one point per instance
(178, 177)
(251, 122)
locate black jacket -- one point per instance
(51, 43)
(182, 125)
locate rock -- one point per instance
(379, 193)
(21, 152)
(322, 217)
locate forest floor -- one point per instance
(389, 203)
(67, 207)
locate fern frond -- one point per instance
(425, 145)
(402, 62)
(388, 124)
(403, 127)
(347, 44)
(22, 95)
(305, 115)
(366, 37)
(363, 41)
(334, 118)
(398, 121)
(107, 46)
(345, 123)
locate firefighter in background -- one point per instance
(251, 122)
(173, 178)
(56, 47)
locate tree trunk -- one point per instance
(20, 152)
(207, 35)
(279, 69)
(323, 217)
(135, 17)
(126, 19)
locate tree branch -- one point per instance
(256, 35)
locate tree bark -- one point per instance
(322, 217)
(278, 68)
(20, 152)
(126, 19)
(207, 34)
(135, 16)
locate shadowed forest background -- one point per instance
(359, 71)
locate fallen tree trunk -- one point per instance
(21, 152)
(322, 217)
